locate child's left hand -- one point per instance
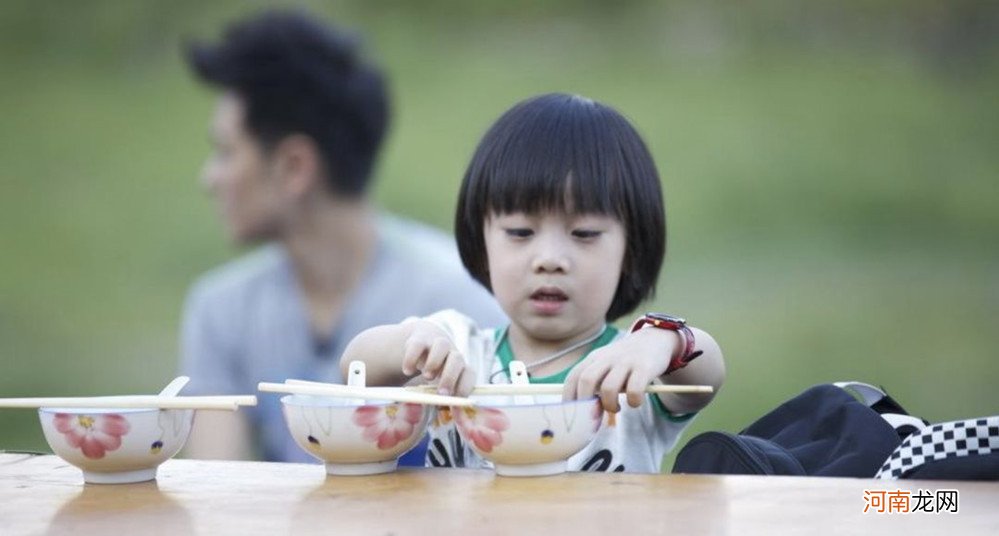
(628, 366)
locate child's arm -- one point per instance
(393, 354)
(707, 369)
(630, 364)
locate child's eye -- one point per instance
(586, 234)
(518, 232)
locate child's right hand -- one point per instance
(430, 352)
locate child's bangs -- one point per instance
(557, 168)
(562, 192)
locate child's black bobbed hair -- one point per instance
(567, 153)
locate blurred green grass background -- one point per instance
(830, 170)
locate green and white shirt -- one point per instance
(634, 440)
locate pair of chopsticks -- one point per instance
(230, 403)
(556, 388)
(424, 394)
(395, 394)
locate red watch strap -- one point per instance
(687, 354)
(678, 361)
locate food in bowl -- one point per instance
(116, 445)
(355, 436)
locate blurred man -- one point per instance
(296, 131)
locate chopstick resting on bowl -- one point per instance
(230, 403)
(395, 394)
(556, 388)
(529, 389)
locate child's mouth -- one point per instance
(549, 295)
(548, 301)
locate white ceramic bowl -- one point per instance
(116, 446)
(355, 437)
(528, 435)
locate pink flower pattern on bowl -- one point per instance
(388, 425)
(482, 426)
(94, 435)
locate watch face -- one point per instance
(666, 318)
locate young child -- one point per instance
(560, 215)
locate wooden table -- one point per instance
(44, 495)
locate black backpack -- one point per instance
(825, 431)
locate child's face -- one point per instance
(554, 274)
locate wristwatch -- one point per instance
(672, 323)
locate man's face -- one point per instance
(241, 178)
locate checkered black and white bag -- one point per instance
(951, 450)
(848, 429)
(957, 450)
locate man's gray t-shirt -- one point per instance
(245, 322)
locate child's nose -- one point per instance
(550, 258)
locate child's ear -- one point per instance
(298, 164)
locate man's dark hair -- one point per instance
(295, 75)
(567, 153)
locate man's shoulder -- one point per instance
(421, 264)
(242, 274)
(422, 247)
(404, 233)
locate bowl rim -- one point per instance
(532, 405)
(286, 400)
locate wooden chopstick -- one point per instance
(371, 393)
(529, 389)
(230, 403)
(556, 388)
